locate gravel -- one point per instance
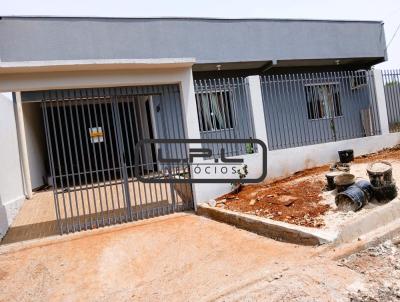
(381, 267)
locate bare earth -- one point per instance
(300, 198)
(184, 257)
(181, 257)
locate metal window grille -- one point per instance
(224, 112)
(323, 101)
(313, 108)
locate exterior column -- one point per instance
(23, 150)
(191, 121)
(192, 130)
(257, 108)
(381, 101)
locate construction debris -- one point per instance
(381, 266)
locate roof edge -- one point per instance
(101, 64)
(187, 18)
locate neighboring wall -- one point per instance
(11, 187)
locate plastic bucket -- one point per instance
(343, 181)
(365, 185)
(352, 199)
(385, 193)
(380, 173)
(346, 156)
(330, 179)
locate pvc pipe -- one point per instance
(23, 150)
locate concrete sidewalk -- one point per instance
(181, 257)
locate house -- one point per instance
(77, 94)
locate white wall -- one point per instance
(287, 161)
(207, 191)
(11, 187)
(35, 141)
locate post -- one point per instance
(257, 108)
(381, 101)
(192, 129)
(23, 150)
(191, 120)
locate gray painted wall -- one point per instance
(286, 115)
(208, 40)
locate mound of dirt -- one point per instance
(296, 202)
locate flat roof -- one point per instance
(210, 41)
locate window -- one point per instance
(323, 101)
(214, 110)
(358, 80)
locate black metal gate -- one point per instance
(91, 136)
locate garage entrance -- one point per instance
(91, 136)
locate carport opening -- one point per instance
(87, 126)
(81, 156)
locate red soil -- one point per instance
(294, 199)
(296, 202)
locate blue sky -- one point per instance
(387, 11)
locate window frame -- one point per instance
(232, 115)
(355, 78)
(326, 106)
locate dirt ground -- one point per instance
(178, 258)
(381, 267)
(184, 257)
(292, 201)
(297, 199)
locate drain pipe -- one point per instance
(23, 150)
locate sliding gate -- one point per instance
(91, 136)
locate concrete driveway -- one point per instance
(181, 257)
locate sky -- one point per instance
(387, 11)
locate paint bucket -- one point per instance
(330, 180)
(346, 156)
(352, 199)
(340, 167)
(380, 173)
(366, 187)
(386, 193)
(343, 181)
